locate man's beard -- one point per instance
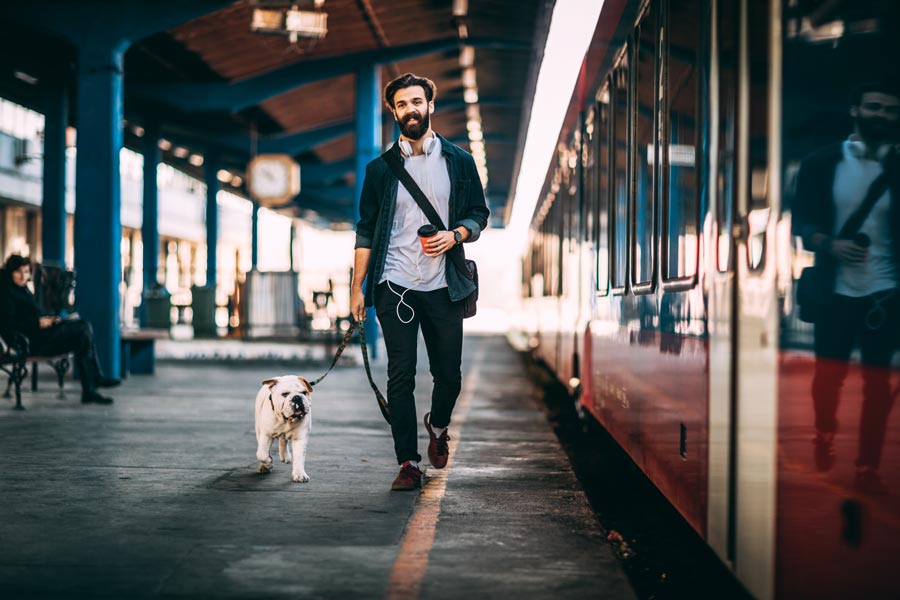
(876, 130)
(414, 131)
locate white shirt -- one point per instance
(852, 179)
(406, 263)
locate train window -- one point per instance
(601, 230)
(619, 178)
(644, 147)
(588, 175)
(727, 38)
(757, 181)
(681, 181)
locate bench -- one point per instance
(138, 350)
(15, 360)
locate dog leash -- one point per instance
(379, 397)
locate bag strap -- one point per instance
(392, 158)
(874, 193)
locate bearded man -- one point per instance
(410, 283)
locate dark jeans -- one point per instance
(441, 323)
(75, 336)
(872, 322)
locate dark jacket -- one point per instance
(814, 208)
(379, 201)
(19, 312)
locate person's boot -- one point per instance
(92, 397)
(438, 445)
(99, 380)
(823, 451)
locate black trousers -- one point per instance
(872, 322)
(441, 324)
(74, 336)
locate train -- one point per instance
(659, 281)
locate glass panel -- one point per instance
(758, 23)
(620, 175)
(838, 388)
(683, 100)
(602, 228)
(727, 32)
(645, 148)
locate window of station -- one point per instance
(619, 178)
(681, 185)
(601, 231)
(644, 147)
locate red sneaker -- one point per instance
(409, 478)
(438, 447)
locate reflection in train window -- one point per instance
(727, 36)
(588, 176)
(683, 100)
(757, 179)
(619, 188)
(644, 147)
(602, 197)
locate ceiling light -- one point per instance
(467, 57)
(236, 181)
(473, 112)
(137, 130)
(180, 152)
(468, 77)
(476, 136)
(224, 175)
(164, 144)
(470, 96)
(460, 8)
(196, 160)
(473, 124)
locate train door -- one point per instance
(743, 303)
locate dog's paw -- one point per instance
(264, 468)
(301, 478)
(286, 459)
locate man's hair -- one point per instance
(408, 80)
(882, 87)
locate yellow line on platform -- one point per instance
(409, 569)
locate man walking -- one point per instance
(848, 212)
(411, 284)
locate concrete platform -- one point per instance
(157, 496)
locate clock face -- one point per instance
(273, 177)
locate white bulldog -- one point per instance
(283, 411)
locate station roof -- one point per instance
(212, 83)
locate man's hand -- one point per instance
(358, 304)
(848, 251)
(45, 322)
(441, 242)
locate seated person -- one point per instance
(49, 335)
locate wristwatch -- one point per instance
(457, 236)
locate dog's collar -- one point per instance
(280, 417)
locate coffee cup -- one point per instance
(425, 232)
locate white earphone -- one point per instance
(406, 147)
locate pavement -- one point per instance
(157, 495)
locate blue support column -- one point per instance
(98, 228)
(254, 237)
(150, 223)
(211, 170)
(53, 204)
(368, 147)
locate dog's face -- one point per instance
(291, 396)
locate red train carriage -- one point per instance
(660, 281)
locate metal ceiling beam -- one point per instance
(114, 24)
(293, 143)
(236, 96)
